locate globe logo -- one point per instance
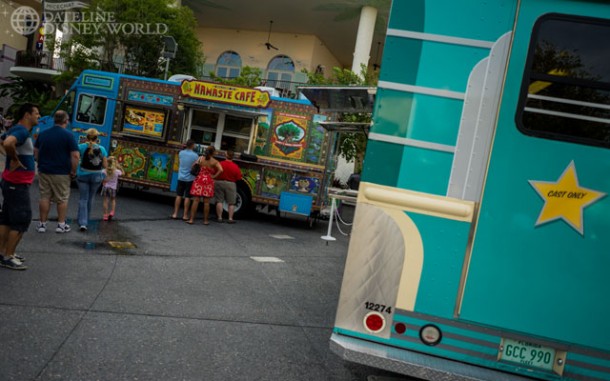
(25, 20)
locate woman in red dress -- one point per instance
(203, 186)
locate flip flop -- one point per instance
(206, 223)
(189, 222)
(173, 218)
(184, 219)
(230, 221)
(220, 221)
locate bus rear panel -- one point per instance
(479, 248)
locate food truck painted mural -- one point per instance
(144, 122)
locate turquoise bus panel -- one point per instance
(424, 170)
(427, 124)
(391, 114)
(494, 18)
(424, 63)
(445, 243)
(407, 15)
(381, 166)
(546, 279)
(393, 117)
(434, 71)
(401, 60)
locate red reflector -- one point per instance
(400, 328)
(374, 322)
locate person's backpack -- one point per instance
(93, 159)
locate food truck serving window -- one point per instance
(91, 109)
(144, 121)
(566, 89)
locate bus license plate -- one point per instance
(525, 353)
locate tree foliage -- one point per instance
(116, 48)
(248, 77)
(22, 91)
(351, 145)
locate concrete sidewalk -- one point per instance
(186, 303)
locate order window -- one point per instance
(566, 88)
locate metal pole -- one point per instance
(328, 236)
(166, 68)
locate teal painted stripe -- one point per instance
(581, 358)
(456, 330)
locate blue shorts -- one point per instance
(16, 209)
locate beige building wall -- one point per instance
(306, 51)
(7, 35)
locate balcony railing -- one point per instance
(41, 60)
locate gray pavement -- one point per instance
(187, 303)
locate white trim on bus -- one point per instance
(440, 38)
(569, 101)
(420, 90)
(567, 115)
(411, 142)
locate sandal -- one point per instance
(230, 221)
(206, 223)
(189, 222)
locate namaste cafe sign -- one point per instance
(241, 96)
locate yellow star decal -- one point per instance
(565, 199)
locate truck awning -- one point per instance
(348, 99)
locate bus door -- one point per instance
(541, 249)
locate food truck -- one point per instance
(280, 146)
(480, 246)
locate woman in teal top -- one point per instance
(89, 175)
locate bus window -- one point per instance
(91, 109)
(566, 89)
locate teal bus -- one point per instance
(480, 247)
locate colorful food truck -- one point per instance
(480, 246)
(144, 122)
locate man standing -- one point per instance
(57, 155)
(17, 177)
(187, 157)
(225, 188)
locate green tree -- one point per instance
(22, 90)
(352, 145)
(140, 50)
(248, 77)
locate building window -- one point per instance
(228, 65)
(566, 88)
(279, 72)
